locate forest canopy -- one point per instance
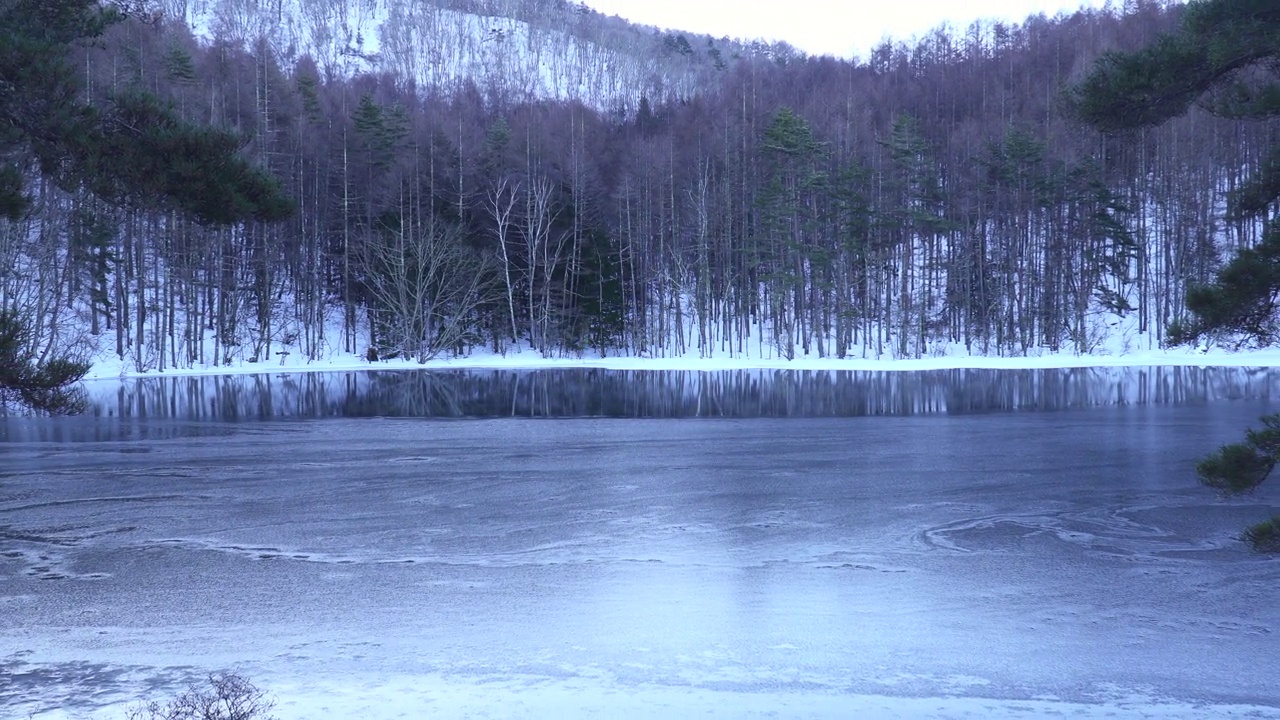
(935, 197)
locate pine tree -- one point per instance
(48, 386)
(135, 151)
(787, 203)
(1226, 58)
(130, 150)
(912, 219)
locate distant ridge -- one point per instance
(516, 49)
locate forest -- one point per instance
(938, 196)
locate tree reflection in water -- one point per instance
(668, 394)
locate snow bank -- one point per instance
(106, 368)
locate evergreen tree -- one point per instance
(912, 216)
(1225, 57)
(48, 386)
(1240, 468)
(135, 150)
(788, 219)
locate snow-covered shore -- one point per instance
(111, 368)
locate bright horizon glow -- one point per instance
(843, 28)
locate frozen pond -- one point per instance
(622, 544)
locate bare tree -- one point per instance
(223, 696)
(544, 249)
(426, 285)
(501, 202)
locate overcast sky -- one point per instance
(830, 27)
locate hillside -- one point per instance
(518, 49)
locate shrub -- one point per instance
(1265, 536)
(222, 696)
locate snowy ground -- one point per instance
(1120, 344)
(108, 367)
(1001, 565)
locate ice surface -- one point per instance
(1000, 564)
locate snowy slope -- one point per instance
(563, 53)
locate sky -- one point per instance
(826, 27)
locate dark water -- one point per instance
(157, 407)
(837, 544)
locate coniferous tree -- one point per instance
(131, 150)
(1226, 57)
(136, 150)
(48, 386)
(788, 220)
(913, 216)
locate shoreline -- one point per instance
(528, 360)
